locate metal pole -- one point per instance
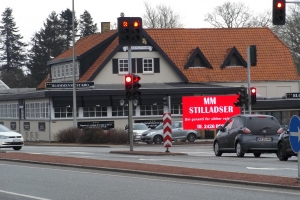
(299, 166)
(169, 104)
(248, 68)
(74, 71)
(130, 103)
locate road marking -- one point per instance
(170, 181)
(266, 168)
(23, 195)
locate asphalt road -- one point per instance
(23, 181)
(198, 156)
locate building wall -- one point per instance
(271, 88)
(167, 74)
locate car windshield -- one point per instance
(140, 127)
(4, 129)
(263, 125)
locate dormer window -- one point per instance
(196, 59)
(233, 58)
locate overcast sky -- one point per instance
(30, 14)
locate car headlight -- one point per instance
(3, 137)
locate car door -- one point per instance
(237, 122)
(223, 134)
(176, 130)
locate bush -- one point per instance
(68, 135)
(93, 136)
(118, 136)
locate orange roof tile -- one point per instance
(274, 61)
(86, 43)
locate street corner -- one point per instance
(149, 153)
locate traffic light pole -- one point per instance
(130, 121)
(248, 68)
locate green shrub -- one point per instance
(93, 136)
(117, 136)
(68, 135)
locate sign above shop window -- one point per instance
(69, 85)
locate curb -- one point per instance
(200, 178)
(149, 153)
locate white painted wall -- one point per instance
(167, 74)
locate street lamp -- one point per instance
(74, 70)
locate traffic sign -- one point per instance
(167, 129)
(295, 133)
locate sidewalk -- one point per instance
(150, 169)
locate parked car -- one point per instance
(156, 135)
(10, 139)
(248, 133)
(138, 129)
(284, 149)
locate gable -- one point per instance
(197, 59)
(233, 58)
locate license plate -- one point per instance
(264, 139)
(16, 140)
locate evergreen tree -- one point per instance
(37, 64)
(11, 47)
(67, 26)
(87, 27)
(52, 36)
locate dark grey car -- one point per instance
(242, 134)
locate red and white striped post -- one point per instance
(167, 125)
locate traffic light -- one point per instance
(279, 7)
(242, 98)
(253, 95)
(123, 30)
(253, 59)
(136, 31)
(130, 30)
(128, 85)
(136, 85)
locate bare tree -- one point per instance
(161, 17)
(290, 33)
(236, 15)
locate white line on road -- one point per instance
(266, 168)
(23, 195)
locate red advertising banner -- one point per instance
(208, 112)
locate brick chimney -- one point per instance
(105, 26)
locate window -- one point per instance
(95, 111)
(54, 72)
(123, 66)
(71, 69)
(62, 71)
(58, 71)
(148, 65)
(176, 109)
(9, 110)
(64, 112)
(67, 70)
(234, 61)
(37, 110)
(151, 110)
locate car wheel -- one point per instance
(157, 139)
(191, 137)
(217, 149)
(238, 150)
(281, 153)
(17, 148)
(256, 155)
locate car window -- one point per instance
(237, 123)
(175, 125)
(259, 123)
(140, 127)
(228, 124)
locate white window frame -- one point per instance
(146, 65)
(96, 111)
(149, 110)
(121, 63)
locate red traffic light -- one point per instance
(253, 90)
(128, 79)
(136, 79)
(136, 24)
(279, 5)
(125, 24)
